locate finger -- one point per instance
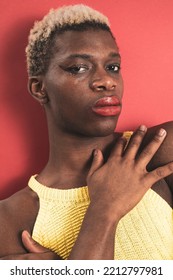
(14, 257)
(159, 173)
(31, 245)
(150, 150)
(97, 162)
(135, 142)
(119, 147)
(33, 256)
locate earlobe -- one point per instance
(37, 89)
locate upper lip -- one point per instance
(107, 101)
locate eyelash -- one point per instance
(114, 66)
(75, 69)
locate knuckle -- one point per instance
(170, 166)
(164, 171)
(135, 142)
(136, 139)
(157, 139)
(140, 132)
(160, 172)
(122, 141)
(127, 163)
(147, 152)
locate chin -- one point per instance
(103, 133)
(103, 129)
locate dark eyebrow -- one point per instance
(88, 56)
(84, 56)
(112, 54)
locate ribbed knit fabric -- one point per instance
(146, 232)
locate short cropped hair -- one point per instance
(42, 36)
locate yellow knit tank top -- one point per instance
(146, 232)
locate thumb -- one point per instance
(97, 162)
(31, 245)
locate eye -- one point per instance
(77, 69)
(115, 68)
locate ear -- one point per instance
(37, 89)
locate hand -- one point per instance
(116, 186)
(35, 251)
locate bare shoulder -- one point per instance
(168, 126)
(18, 212)
(164, 154)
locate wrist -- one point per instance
(102, 214)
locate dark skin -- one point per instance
(84, 150)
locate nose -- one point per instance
(103, 82)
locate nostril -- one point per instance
(100, 88)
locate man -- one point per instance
(93, 199)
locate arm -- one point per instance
(18, 212)
(164, 154)
(34, 251)
(110, 195)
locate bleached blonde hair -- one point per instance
(75, 17)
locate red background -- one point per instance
(144, 31)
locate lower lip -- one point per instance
(107, 111)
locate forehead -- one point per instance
(94, 42)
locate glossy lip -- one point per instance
(107, 101)
(107, 106)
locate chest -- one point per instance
(58, 224)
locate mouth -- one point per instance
(107, 106)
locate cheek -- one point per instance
(73, 94)
(67, 102)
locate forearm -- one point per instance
(96, 238)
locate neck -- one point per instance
(70, 158)
(74, 151)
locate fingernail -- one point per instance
(27, 233)
(143, 128)
(95, 152)
(162, 132)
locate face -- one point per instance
(84, 83)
